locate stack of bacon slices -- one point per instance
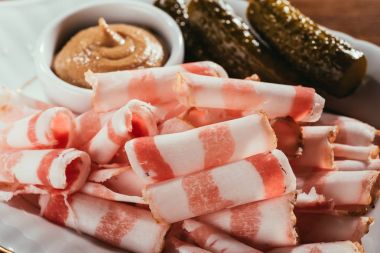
(185, 159)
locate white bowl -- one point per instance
(59, 30)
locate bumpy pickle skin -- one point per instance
(231, 43)
(329, 63)
(177, 9)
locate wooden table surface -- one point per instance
(358, 18)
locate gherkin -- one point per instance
(231, 43)
(329, 63)
(194, 50)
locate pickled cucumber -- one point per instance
(328, 62)
(231, 43)
(194, 50)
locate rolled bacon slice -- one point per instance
(118, 224)
(314, 227)
(350, 190)
(361, 153)
(117, 183)
(132, 120)
(167, 156)
(258, 177)
(357, 165)
(264, 224)
(288, 132)
(213, 239)
(112, 90)
(65, 170)
(318, 147)
(332, 247)
(174, 245)
(88, 124)
(276, 100)
(351, 131)
(289, 136)
(52, 128)
(15, 105)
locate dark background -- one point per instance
(358, 18)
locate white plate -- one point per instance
(20, 23)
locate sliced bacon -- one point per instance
(174, 125)
(132, 120)
(166, 156)
(166, 111)
(46, 170)
(174, 245)
(213, 239)
(258, 177)
(289, 136)
(117, 183)
(350, 190)
(15, 105)
(101, 191)
(153, 85)
(121, 225)
(88, 124)
(262, 225)
(314, 227)
(206, 116)
(361, 153)
(332, 247)
(52, 128)
(276, 100)
(373, 164)
(317, 147)
(313, 202)
(351, 131)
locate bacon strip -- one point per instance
(65, 170)
(351, 131)
(166, 156)
(153, 85)
(276, 100)
(329, 228)
(255, 178)
(88, 124)
(174, 245)
(289, 136)
(313, 202)
(132, 120)
(357, 165)
(115, 183)
(52, 128)
(15, 106)
(332, 247)
(174, 125)
(206, 116)
(349, 152)
(350, 190)
(317, 147)
(213, 239)
(262, 225)
(121, 225)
